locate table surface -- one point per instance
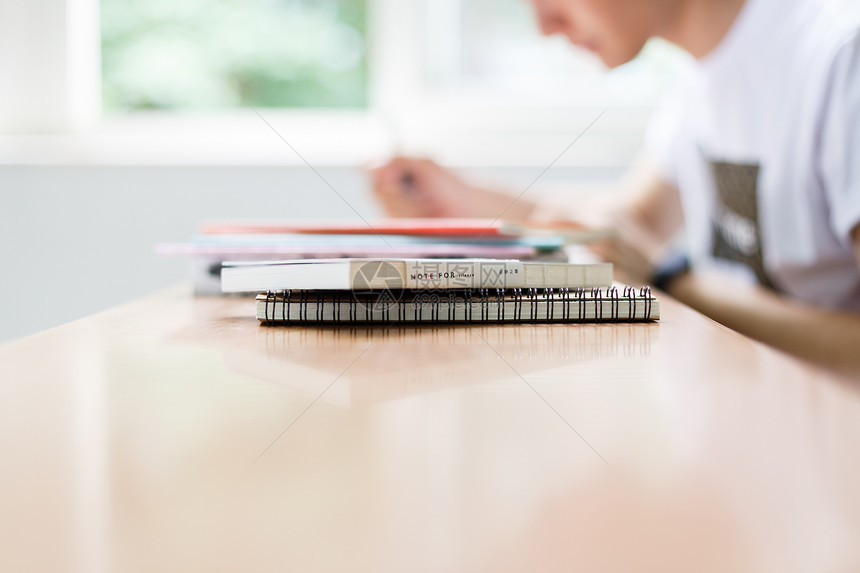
(176, 434)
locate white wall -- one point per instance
(76, 240)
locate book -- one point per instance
(542, 242)
(615, 304)
(361, 246)
(205, 269)
(415, 227)
(387, 226)
(395, 274)
(207, 252)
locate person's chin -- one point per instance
(611, 62)
(612, 59)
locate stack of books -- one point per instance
(386, 238)
(389, 291)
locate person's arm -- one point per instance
(417, 187)
(646, 210)
(647, 222)
(646, 214)
(828, 338)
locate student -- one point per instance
(756, 154)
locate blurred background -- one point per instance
(125, 123)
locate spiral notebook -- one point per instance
(613, 304)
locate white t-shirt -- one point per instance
(763, 140)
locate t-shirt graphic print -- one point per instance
(736, 234)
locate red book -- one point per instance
(415, 227)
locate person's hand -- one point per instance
(411, 187)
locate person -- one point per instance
(755, 156)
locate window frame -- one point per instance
(50, 66)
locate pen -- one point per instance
(407, 180)
(407, 184)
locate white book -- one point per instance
(393, 274)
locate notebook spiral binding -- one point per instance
(482, 305)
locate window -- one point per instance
(457, 79)
(210, 54)
(217, 54)
(473, 82)
(494, 47)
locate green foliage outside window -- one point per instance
(210, 54)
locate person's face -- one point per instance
(615, 30)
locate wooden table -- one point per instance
(175, 434)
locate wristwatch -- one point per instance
(674, 265)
